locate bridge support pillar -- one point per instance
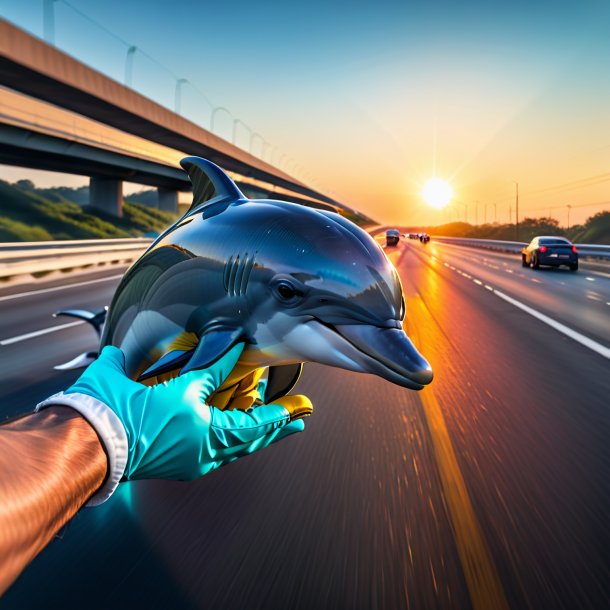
(106, 194)
(168, 200)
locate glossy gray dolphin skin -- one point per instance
(295, 284)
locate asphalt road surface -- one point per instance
(489, 489)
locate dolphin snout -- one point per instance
(391, 354)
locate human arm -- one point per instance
(36, 500)
(165, 431)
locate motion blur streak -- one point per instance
(481, 577)
(483, 582)
(355, 513)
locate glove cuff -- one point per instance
(110, 430)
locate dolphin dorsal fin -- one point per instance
(210, 183)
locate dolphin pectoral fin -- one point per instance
(95, 318)
(212, 346)
(168, 362)
(281, 380)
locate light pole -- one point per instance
(177, 96)
(495, 212)
(265, 150)
(48, 21)
(255, 135)
(235, 122)
(516, 208)
(129, 65)
(569, 208)
(465, 209)
(217, 109)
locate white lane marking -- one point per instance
(37, 333)
(592, 345)
(535, 280)
(488, 287)
(43, 290)
(469, 277)
(590, 279)
(479, 282)
(600, 273)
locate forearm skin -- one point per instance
(51, 463)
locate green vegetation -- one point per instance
(31, 214)
(596, 230)
(28, 213)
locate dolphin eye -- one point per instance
(286, 292)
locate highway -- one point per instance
(487, 490)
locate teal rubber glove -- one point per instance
(167, 431)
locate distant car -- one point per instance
(424, 238)
(392, 237)
(413, 235)
(549, 250)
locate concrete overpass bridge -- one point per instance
(59, 114)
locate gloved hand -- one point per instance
(168, 431)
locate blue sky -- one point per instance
(368, 100)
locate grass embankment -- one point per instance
(30, 214)
(596, 230)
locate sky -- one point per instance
(367, 101)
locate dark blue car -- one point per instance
(392, 236)
(551, 251)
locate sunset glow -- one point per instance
(437, 193)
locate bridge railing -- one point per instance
(515, 247)
(27, 258)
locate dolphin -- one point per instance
(295, 284)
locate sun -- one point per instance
(437, 193)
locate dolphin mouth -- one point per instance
(386, 352)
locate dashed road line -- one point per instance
(8, 297)
(562, 328)
(593, 345)
(38, 333)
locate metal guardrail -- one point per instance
(26, 258)
(23, 258)
(515, 247)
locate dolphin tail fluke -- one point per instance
(95, 318)
(281, 380)
(81, 361)
(210, 184)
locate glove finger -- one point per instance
(233, 427)
(108, 369)
(233, 453)
(297, 405)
